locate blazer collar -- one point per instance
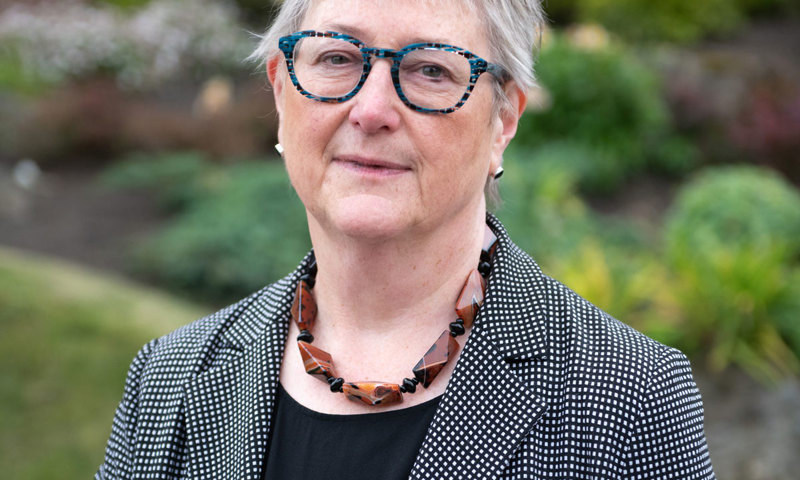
(515, 312)
(483, 416)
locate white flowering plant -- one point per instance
(166, 39)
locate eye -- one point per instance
(425, 70)
(432, 71)
(336, 59)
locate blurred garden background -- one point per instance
(656, 172)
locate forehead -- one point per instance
(396, 23)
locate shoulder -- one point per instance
(534, 317)
(583, 327)
(607, 368)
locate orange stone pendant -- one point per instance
(471, 298)
(373, 393)
(434, 361)
(304, 308)
(317, 362)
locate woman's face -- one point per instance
(371, 167)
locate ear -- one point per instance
(506, 123)
(276, 73)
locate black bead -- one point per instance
(305, 336)
(484, 268)
(312, 270)
(409, 385)
(336, 384)
(309, 279)
(457, 329)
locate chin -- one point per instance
(369, 218)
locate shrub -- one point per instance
(123, 3)
(607, 262)
(177, 178)
(609, 107)
(238, 227)
(541, 208)
(733, 240)
(767, 7)
(680, 21)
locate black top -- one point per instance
(311, 445)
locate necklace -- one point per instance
(319, 363)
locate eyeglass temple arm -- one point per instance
(500, 73)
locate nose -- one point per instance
(376, 106)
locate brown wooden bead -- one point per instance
(373, 393)
(317, 362)
(435, 359)
(471, 298)
(304, 308)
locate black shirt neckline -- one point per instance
(356, 417)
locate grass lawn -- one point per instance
(67, 335)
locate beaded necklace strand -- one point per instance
(320, 363)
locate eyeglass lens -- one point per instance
(429, 77)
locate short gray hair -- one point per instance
(513, 30)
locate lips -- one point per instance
(370, 165)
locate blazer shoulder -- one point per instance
(216, 338)
(600, 343)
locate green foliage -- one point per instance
(729, 292)
(768, 7)
(605, 261)
(680, 21)
(177, 177)
(66, 332)
(541, 208)
(733, 240)
(237, 228)
(125, 4)
(14, 77)
(607, 107)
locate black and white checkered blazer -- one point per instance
(547, 386)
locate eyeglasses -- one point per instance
(428, 77)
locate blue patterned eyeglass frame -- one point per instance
(478, 66)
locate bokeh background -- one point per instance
(656, 172)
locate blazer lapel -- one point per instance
(228, 411)
(488, 408)
(481, 420)
(229, 406)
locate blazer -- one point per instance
(547, 386)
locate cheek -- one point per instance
(462, 150)
(306, 133)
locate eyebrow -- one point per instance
(361, 34)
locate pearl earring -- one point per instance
(279, 148)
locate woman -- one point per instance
(393, 118)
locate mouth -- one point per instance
(371, 166)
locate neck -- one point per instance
(377, 287)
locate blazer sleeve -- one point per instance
(668, 439)
(118, 462)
